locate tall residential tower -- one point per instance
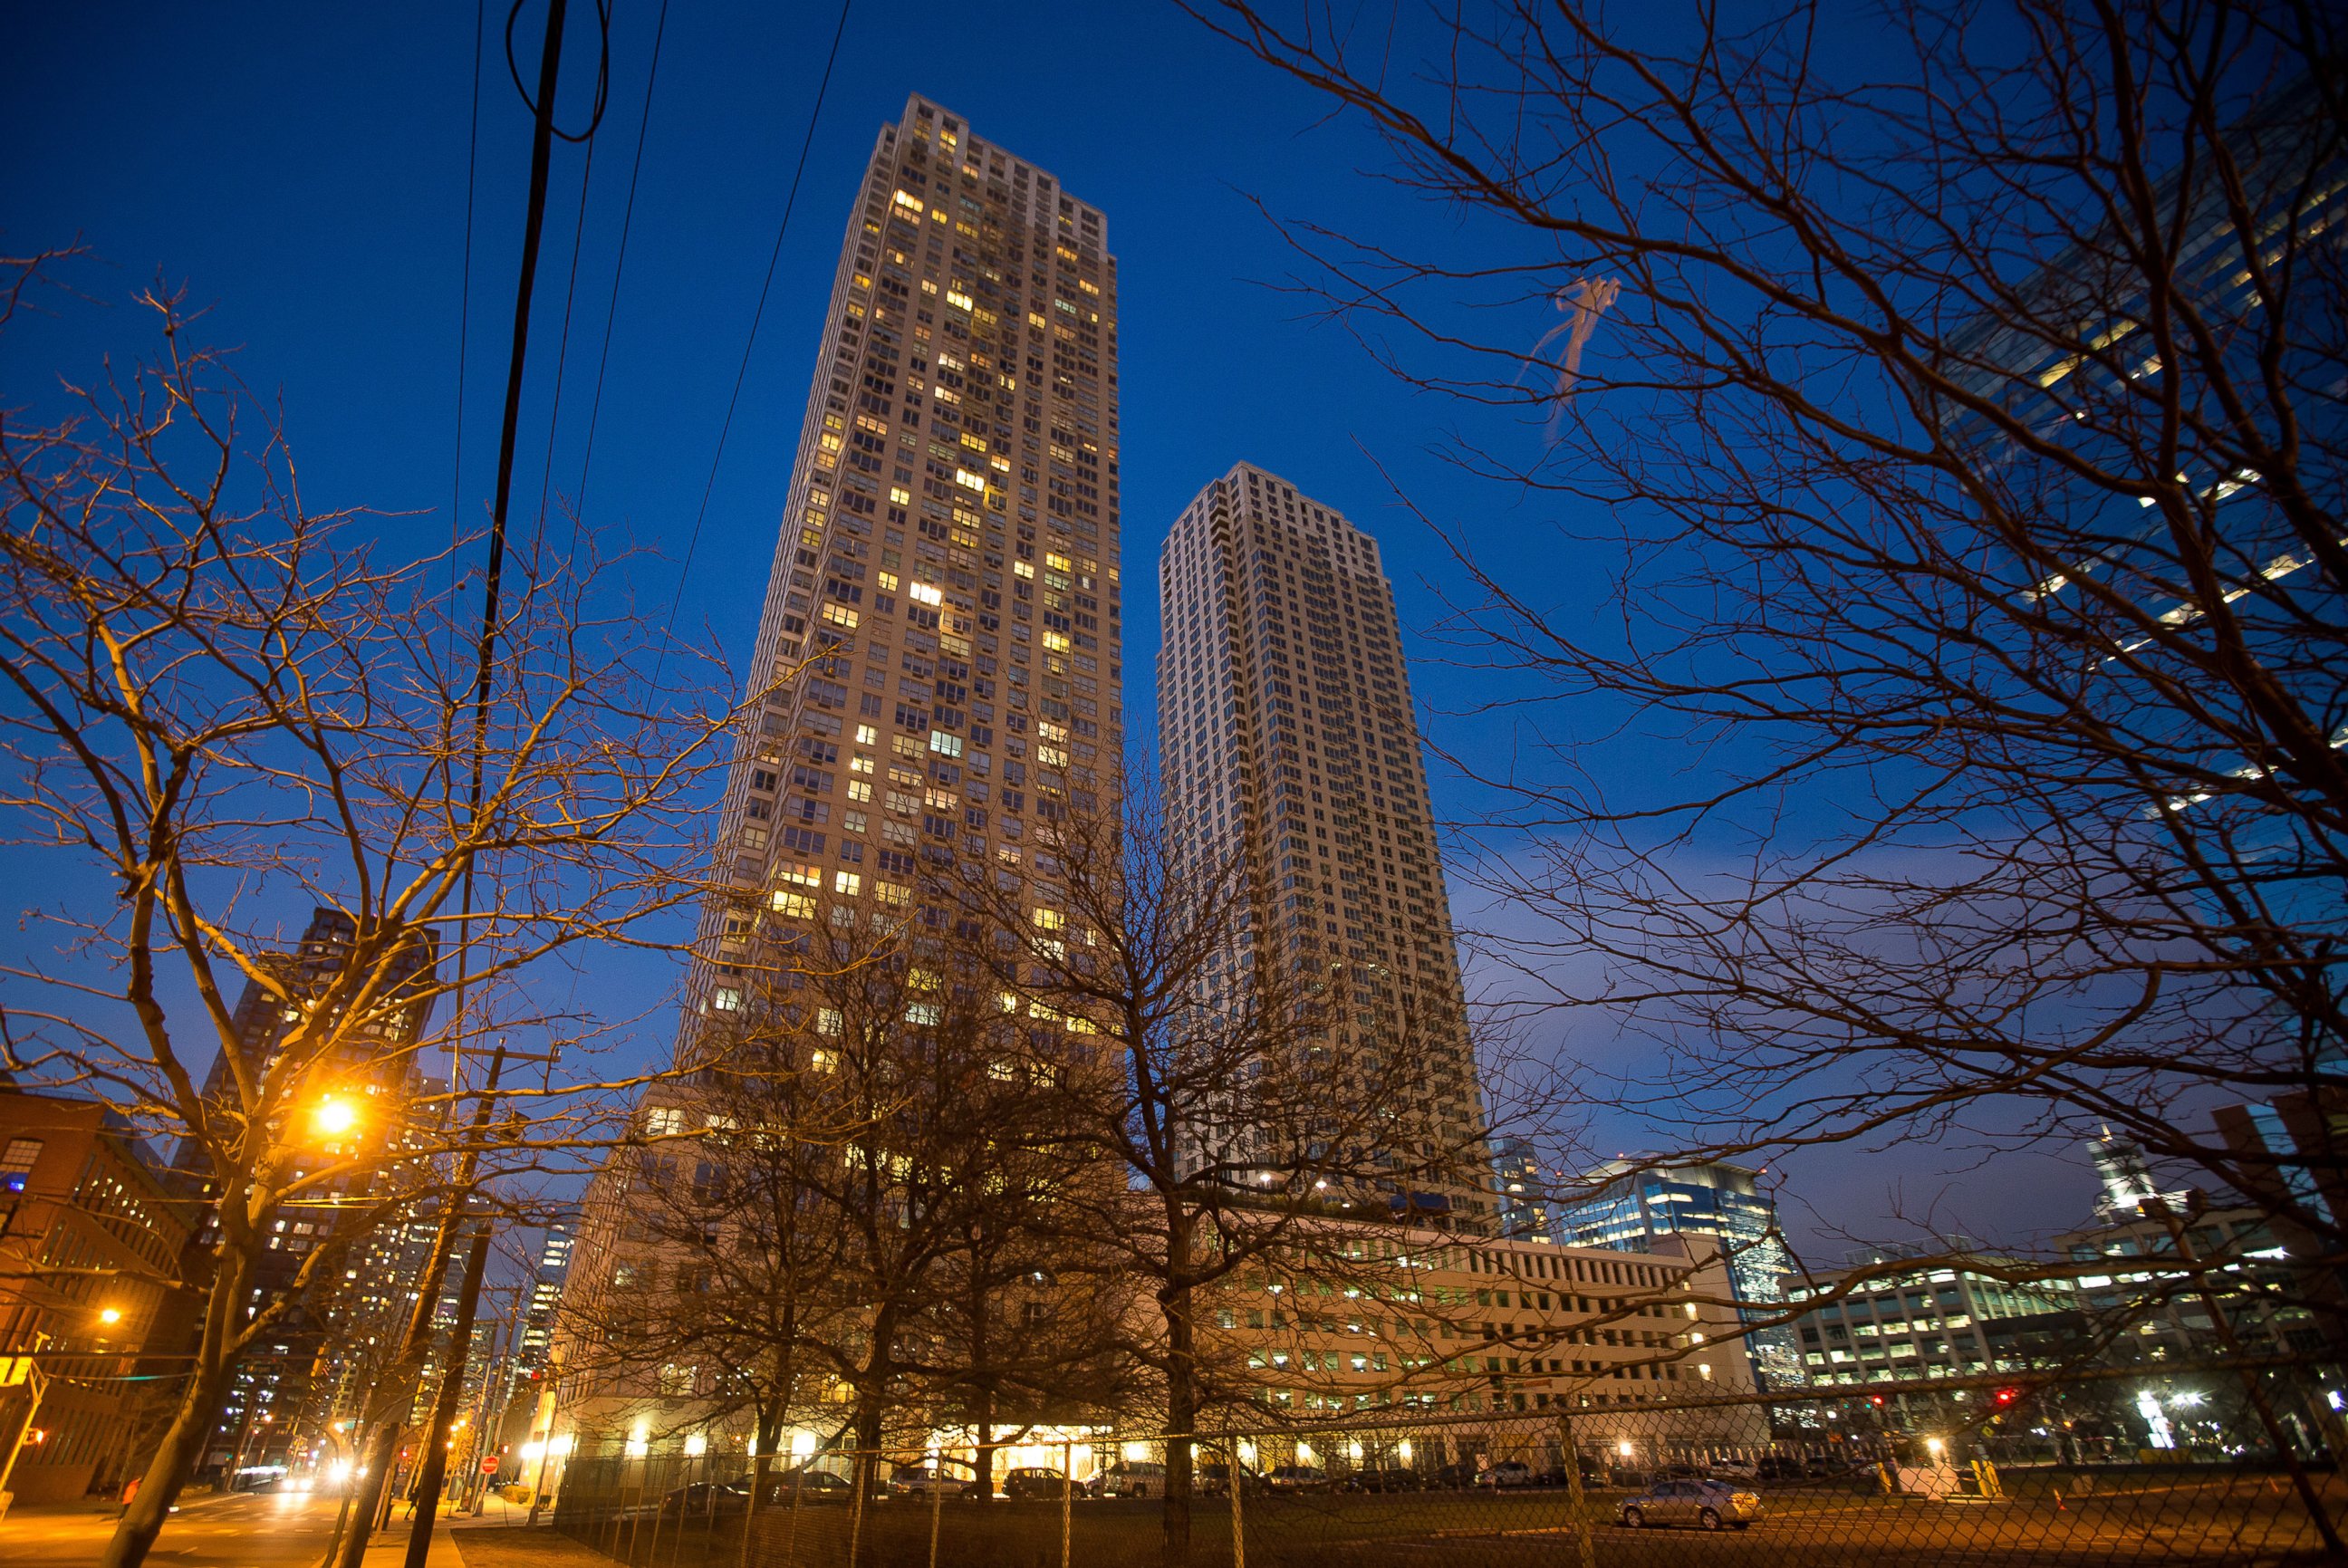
(941, 626)
(1285, 724)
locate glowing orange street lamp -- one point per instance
(334, 1116)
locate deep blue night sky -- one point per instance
(302, 170)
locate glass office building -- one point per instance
(1627, 1208)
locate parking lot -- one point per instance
(2240, 1520)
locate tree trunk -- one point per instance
(981, 1458)
(183, 1441)
(981, 1407)
(1181, 1391)
(397, 1394)
(866, 1468)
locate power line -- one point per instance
(563, 349)
(619, 271)
(465, 297)
(743, 370)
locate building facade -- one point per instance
(1939, 1322)
(1633, 1208)
(1520, 1186)
(938, 658)
(938, 661)
(90, 1238)
(1290, 745)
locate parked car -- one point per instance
(1214, 1481)
(1290, 1478)
(1779, 1467)
(1508, 1473)
(1734, 1470)
(1131, 1477)
(704, 1500)
(807, 1485)
(1454, 1475)
(1593, 1474)
(1383, 1478)
(1034, 1481)
(1708, 1504)
(920, 1480)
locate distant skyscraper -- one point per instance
(545, 1297)
(1524, 1208)
(2125, 1178)
(1285, 725)
(942, 615)
(306, 1367)
(1629, 1210)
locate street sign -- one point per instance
(488, 1464)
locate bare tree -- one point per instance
(223, 704)
(1208, 1077)
(712, 1251)
(1960, 393)
(853, 1214)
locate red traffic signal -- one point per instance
(1876, 1399)
(2008, 1396)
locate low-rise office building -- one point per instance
(90, 1240)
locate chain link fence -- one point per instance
(2054, 1473)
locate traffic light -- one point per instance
(2005, 1396)
(1876, 1400)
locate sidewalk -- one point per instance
(492, 1542)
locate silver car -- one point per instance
(1708, 1504)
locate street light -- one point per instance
(110, 1315)
(334, 1116)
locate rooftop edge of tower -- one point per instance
(958, 127)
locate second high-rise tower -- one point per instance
(1289, 747)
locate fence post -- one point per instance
(652, 1553)
(937, 1500)
(1067, 1495)
(1584, 1531)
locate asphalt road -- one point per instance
(242, 1530)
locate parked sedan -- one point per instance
(1383, 1478)
(704, 1500)
(1289, 1479)
(812, 1486)
(1708, 1504)
(1593, 1474)
(1034, 1481)
(1508, 1473)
